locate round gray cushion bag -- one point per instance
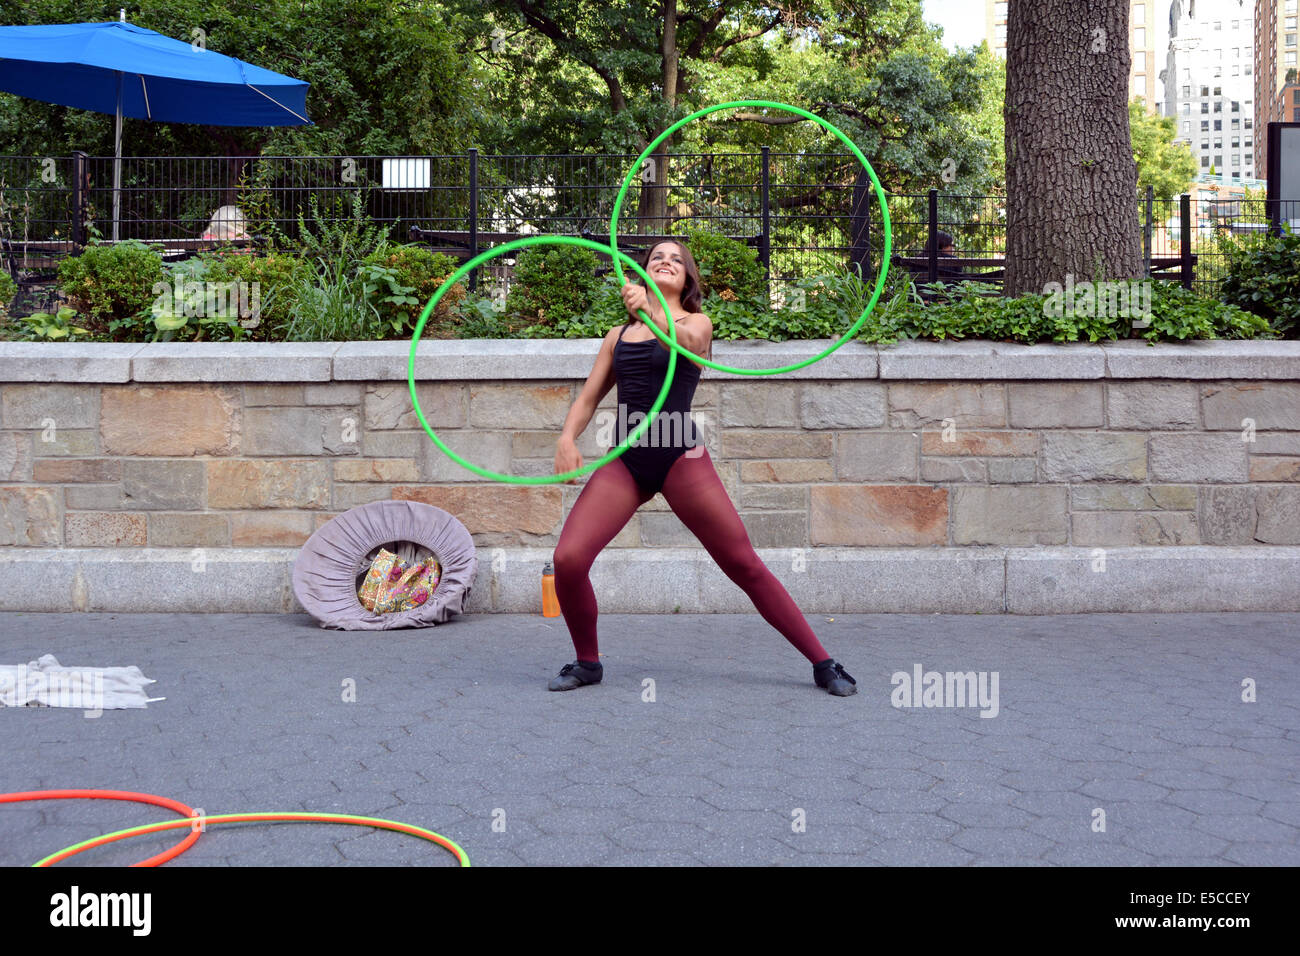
(333, 563)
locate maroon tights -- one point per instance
(696, 494)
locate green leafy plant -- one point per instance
(728, 268)
(329, 304)
(274, 276)
(399, 281)
(1264, 278)
(113, 286)
(346, 233)
(55, 327)
(552, 283)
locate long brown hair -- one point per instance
(692, 297)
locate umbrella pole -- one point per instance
(117, 159)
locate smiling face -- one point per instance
(673, 269)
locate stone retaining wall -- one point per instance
(932, 446)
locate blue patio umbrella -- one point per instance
(125, 70)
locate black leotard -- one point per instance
(639, 370)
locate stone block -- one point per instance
(512, 407)
(37, 406)
(389, 406)
(955, 469)
(877, 456)
(967, 405)
(665, 529)
(242, 484)
(1009, 515)
(29, 517)
(15, 456)
(164, 484)
(104, 529)
(272, 395)
(776, 529)
(170, 421)
(336, 393)
(395, 444)
(189, 530)
(1268, 404)
(1198, 458)
(774, 443)
(376, 469)
(874, 515)
(1054, 405)
(788, 471)
(491, 508)
(1268, 468)
(1152, 406)
(1279, 515)
(842, 405)
(270, 529)
(1013, 471)
(95, 498)
(71, 442)
(773, 497)
(760, 404)
(349, 495)
(1130, 528)
(73, 470)
(968, 443)
(1094, 456)
(1227, 515)
(487, 449)
(1133, 498)
(297, 430)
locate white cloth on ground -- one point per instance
(46, 682)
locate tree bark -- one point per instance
(652, 210)
(1071, 179)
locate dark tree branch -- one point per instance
(548, 28)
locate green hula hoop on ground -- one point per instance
(286, 816)
(880, 194)
(501, 250)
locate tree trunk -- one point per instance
(652, 211)
(1072, 204)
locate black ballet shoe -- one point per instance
(575, 675)
(831, 675)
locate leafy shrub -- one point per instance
(400, 280)
(8, 289)
(111, 284)
(274, 276)
(328, 303)
(1265, 279)
(552, 283)
(728, 268)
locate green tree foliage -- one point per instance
(386, 78)
(1166, 166)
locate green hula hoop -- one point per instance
(880, 194)
(501, 250)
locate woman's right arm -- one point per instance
(598, 384)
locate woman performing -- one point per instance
(681, 469)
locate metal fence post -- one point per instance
(765, 243)
(933, 244)
(1189, 227)
(1146, 233)
(79, 199)
(473, 214)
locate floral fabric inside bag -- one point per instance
(394, 585)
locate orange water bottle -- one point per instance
(550, 603)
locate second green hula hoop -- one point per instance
(884, 212)
(501, 250)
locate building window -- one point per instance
(1236, 107)
(1187, 127)
(1140, 60)
(1218, 24)
(1205, 91)
(1140, 13)
(1140, 36)
(1205, 107)
(1205, 161)
(1218, 91)
(1236, 124)
(1218, 125)
(1205, 145)
(1205, 126)
(1249, 143)
(1290, 23)
(1290, 39)
(1249, 123)
(1290, 58)
(1218, 106)
(1000, 10)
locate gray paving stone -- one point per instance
(1132, 713)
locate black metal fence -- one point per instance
(804, 213)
